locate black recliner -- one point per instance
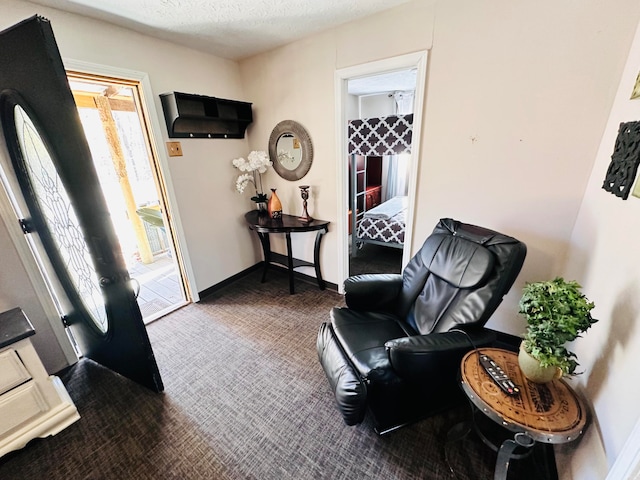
(393, 350)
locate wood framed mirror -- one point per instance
(290, 150)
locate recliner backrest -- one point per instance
(458, 277)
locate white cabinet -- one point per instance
(32, 403)
(12, 371)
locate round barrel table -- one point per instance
(550, 412)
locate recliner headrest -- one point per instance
(456, 260)
(473, 233)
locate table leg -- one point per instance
(290, 263)
(455, 434)
(266, 250)
(505, 452)
(316, 258)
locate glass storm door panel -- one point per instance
(53, 216)
(54, 187)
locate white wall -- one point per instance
(518, 96)
(604, 256)
(372, 106)
(517, 100)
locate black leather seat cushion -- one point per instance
(362, 335)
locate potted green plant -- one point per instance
(557, 312)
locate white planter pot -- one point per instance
(533, 371)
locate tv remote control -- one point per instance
(498, 375)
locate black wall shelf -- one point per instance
(198, 116)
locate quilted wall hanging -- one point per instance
(381, 135)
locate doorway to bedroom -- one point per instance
(380, 107)
(380, 122)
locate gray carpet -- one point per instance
(245, 398)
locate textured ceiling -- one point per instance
(227, 28)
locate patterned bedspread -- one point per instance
(385, 223)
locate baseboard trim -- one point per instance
(227, 281)
(302, 276)
(259, 266)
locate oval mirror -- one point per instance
(290, 150)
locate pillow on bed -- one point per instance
(388, 209)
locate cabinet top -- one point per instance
(14, 326)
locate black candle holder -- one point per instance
(304, 193)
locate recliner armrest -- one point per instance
(373, 292)
(434, 356)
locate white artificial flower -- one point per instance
(242, 181)
(257, 163)
(241, 164)
(259, 160)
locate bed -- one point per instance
(384, 224)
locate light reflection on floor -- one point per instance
(160, 289)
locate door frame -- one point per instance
(155, 138)
(416, 60)
(25, 254)
(627, 463)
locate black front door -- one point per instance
(57, 195)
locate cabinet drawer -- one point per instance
(373, 196)
(12, 371)
(20, 405)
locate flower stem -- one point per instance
(257, 181)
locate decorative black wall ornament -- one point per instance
(624, 160)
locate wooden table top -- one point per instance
(550, 412)
(287, 223)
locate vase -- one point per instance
(275, 206)
(532, 370)
(261, 207)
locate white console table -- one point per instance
(32, 403)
